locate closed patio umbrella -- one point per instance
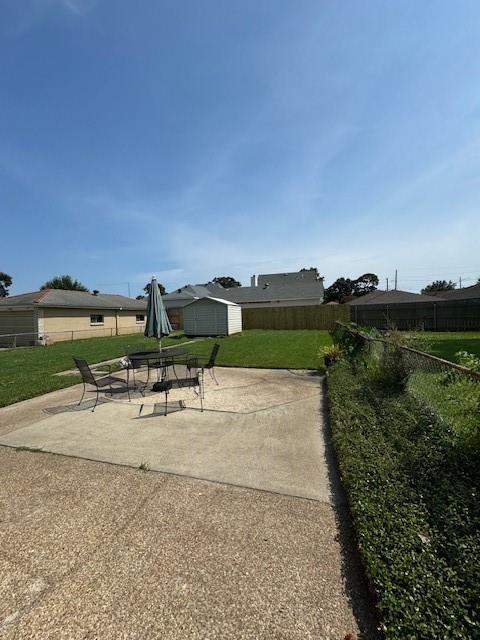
(157, 325)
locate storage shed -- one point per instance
(212, 317)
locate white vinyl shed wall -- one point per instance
(212, 317)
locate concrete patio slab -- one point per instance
(261, 429)
(91, 550)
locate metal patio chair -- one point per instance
(99, 382)
(210, 364)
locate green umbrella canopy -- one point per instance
(157, 325)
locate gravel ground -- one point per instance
(91, 550)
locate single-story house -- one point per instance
(52, 315)
(394, 296)
(464, 293)
(298, 288)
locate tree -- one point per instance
(64, 282)
(317, 275)
(5, 282)
(439, 285)
(365, 284)
(340, 290)
(146, 288)
(344, 288)
(227, 281)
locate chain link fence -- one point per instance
(450, 390)
(13, 340)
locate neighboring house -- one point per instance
(299, 288)
(393, 296)
(465, 293)
(52, 315)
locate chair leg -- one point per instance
(212, 373)
(83, 395)
(96, 401)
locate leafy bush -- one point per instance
(350, 339)
(331, 354)
(413, 493)
(469, 360)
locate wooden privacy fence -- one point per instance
(175, 316)
(311, 317)
(445, 315)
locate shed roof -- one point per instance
(73, 299)
(220, 300)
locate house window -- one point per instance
(140, 317)
(96, 318)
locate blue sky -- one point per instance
(194, 139)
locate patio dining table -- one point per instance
(157, 354)
(155, 359)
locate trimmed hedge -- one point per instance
(413, 491)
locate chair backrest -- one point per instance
(213, 355)
(85, 371)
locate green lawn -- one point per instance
(28, 372)
(445, 345)
(269, 349)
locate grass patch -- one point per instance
(28, 371)
(447, 344)
(413, 492)
(456, 402)
(267, 349)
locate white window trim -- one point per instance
(139, 321)
(97, 324)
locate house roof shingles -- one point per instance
(290, 289)
(273, 293)
(466, 293)
(391, 297)
(74, 300)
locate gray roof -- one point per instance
(74, 300)
(220, 300)
(391, 297)
(301, 285)
(273, 293)
(466, 293)
(292, 277)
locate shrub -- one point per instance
(413, 493)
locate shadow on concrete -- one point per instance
(356, 585)
(86, 405)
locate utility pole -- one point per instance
(387, 284)
(460, 282)
(396, 273)
(128, 284)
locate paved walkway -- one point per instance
(93, 550)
